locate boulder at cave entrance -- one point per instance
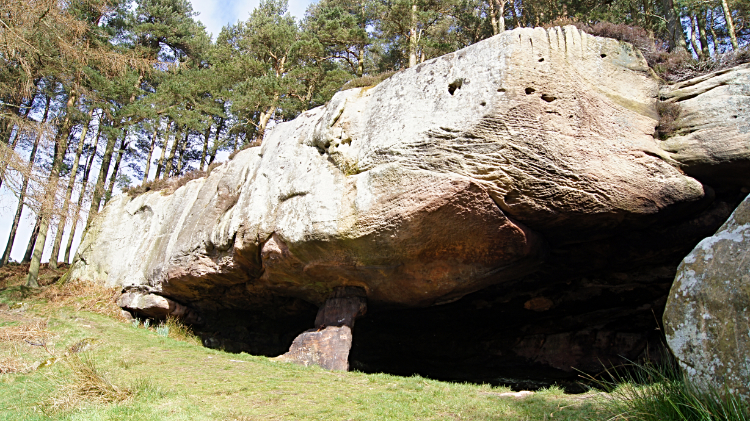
(706, 318)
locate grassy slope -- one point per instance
(174, 380)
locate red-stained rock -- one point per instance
(328, 348)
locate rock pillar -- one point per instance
(329, 343)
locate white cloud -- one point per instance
(215, 14)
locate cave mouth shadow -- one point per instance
(488, 337)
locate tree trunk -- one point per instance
(150, 154)
(35, 231)
(116, 169)
(82, 194)
(730, 24)
(160, 165)
(49, 197)
(701, 19)
(264, 118)
(99, 187)
(413, 41)
(361, 61)
(183, 146)
(17, 135)
(21, 199)
(693, 41)
(493, 17)
(215, 146)
(172, 152)
(12, 140)
(677, 43)
(206, 140)
(513, 13)
(501, 17)
(32, 240)
(68, 193)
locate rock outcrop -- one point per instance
(706, 318)
(521, 172)
(711, 133)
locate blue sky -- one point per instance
(216, 14)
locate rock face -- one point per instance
(706, 318)
(713, 127)
(521, 173)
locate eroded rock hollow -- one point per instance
(506, 210)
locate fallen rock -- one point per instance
(706, 318)
(327, 348)
(154, 306)
(329, 345)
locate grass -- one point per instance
(136, 374)
(66, 355)
(87, 364)
(660, 392)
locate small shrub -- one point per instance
(162, 330)
(12, 365)
(252, 144)
(212, 166)
(166, 186)
(35, 331)
(669, 112)
(180, 331)
(367, 80)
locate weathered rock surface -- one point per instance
(521, 173)
(706, 318)
(412, 192)
(328, 348)
(145, 304)
(712, 132)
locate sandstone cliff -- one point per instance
(524, 167)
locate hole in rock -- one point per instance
(456, 84)
(483, 103)
(548, 98)
(501, 89)
(530, 91)
(541, 59)
(603, 55)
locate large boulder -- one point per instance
(521, 172)
(706, 318)
(419, 190)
